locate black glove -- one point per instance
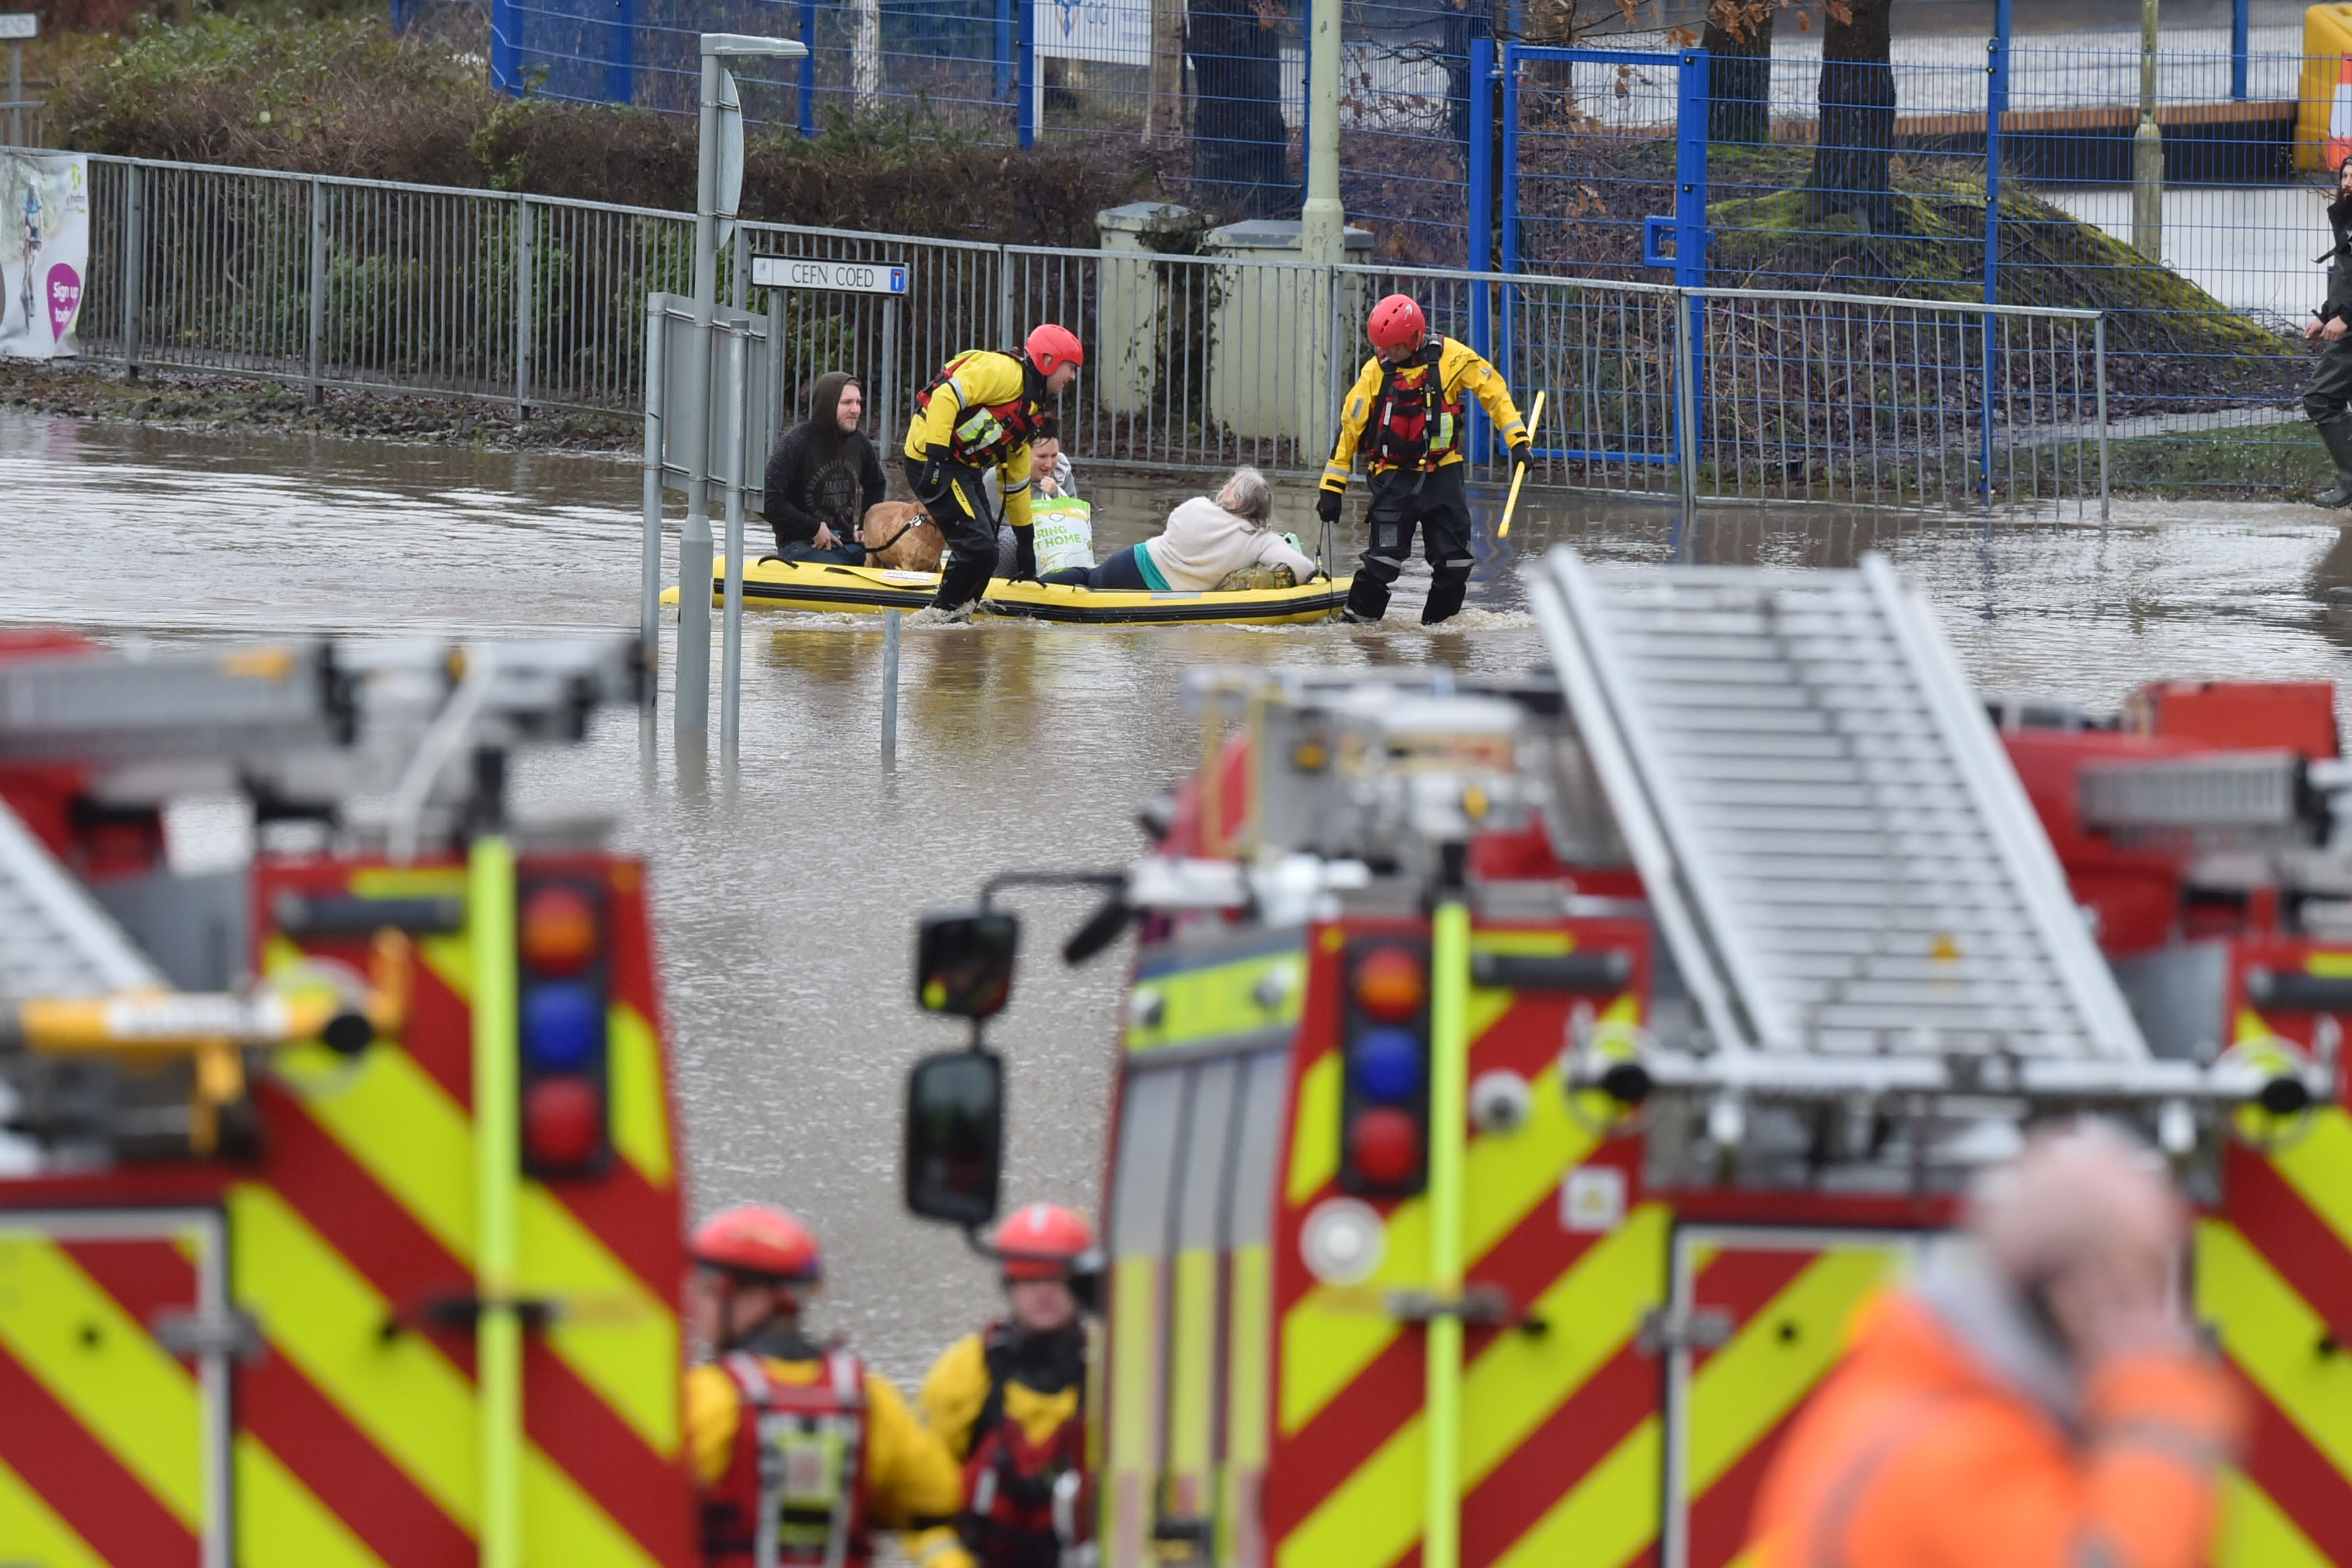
(1524, 453)
(1024, 555)
(927, 481)
(1326, 505)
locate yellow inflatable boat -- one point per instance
(772, 584)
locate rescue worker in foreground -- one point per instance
(1009, 1401)
(982, 411)
(2328, 401)
(797, 1449)
(2039, 1401)
(1406, 410)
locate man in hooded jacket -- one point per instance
(2328, 400)
(824, 477)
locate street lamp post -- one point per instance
(718, 188)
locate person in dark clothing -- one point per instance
(2328, 399)
(824, 477)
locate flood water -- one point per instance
(787, 886)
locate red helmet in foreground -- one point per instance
(1050, 348)
(1396, 323)
(759, 1242)
(1043, 1241)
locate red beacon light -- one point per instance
(563, 1124)
(1384, 1146)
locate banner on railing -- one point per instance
(44, 252)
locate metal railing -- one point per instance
(1195, 363)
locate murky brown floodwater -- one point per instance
(787, 888)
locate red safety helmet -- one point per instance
(1396, 323)
(1050, 347)
(1043, 1241)
(758, 1242)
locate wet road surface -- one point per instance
(787, 886)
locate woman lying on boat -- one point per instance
(1205, 541)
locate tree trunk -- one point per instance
(1240, 145)
(1738, 42)
(1165, 112)
(1852, 163)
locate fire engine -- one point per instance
(339, 1220)
(1520, 1085)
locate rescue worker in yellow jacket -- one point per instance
(1406, 412)
(1009, 1401)
(2039, 1401)
(982, 411)
(797, 1449)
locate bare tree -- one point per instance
(1853, 161)
(1738, 42)
(1240, 144)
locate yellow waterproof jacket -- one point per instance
(983, 379)
(956, 1389)
(1460, 369)
(911, 1481)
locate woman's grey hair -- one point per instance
(1247, 494)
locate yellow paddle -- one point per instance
(1510, 504)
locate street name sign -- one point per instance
(840, 276)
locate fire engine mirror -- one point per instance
(955, 1136)
(964, 961)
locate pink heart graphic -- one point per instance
(65, 299)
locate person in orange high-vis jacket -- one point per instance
(2038, 1400)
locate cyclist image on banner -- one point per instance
(44, 252)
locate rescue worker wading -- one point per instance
(1406, 412)
(2328, 399)
(797, 1449)
(980, 412)
(1009, 1401)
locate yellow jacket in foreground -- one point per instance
(981, 379)
(911, 1484)
(1460, 369)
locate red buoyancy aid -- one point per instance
(1417, 424)
(794, 1489)
(1023, 1501)
(985, 433)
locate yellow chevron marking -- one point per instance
(2272, 1334)
(99, 1362)
(391, 1116)
(1328, 1338)
(2255, 1534)
(322, 1316)
(2329, 965)
(1611, 1515)
(1315, 1130)
(281, 1523)
(562, 1524)
(640, 1104)
(447, 953)
(1486, 1006)
(1751, 1384)
(2319, 1167)
(413, 1404)
(31, 1532)
(1513, 1386)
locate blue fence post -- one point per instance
(1024, 75)
(1003, 48)
(1691, 106)
(807, 93)
(506, 63)
(1481, 176)
(620, 53)
(1502, 355)
(2238, 9)
(1996, 108)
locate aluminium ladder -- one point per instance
(1836, 846)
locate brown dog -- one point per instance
(898, 535)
